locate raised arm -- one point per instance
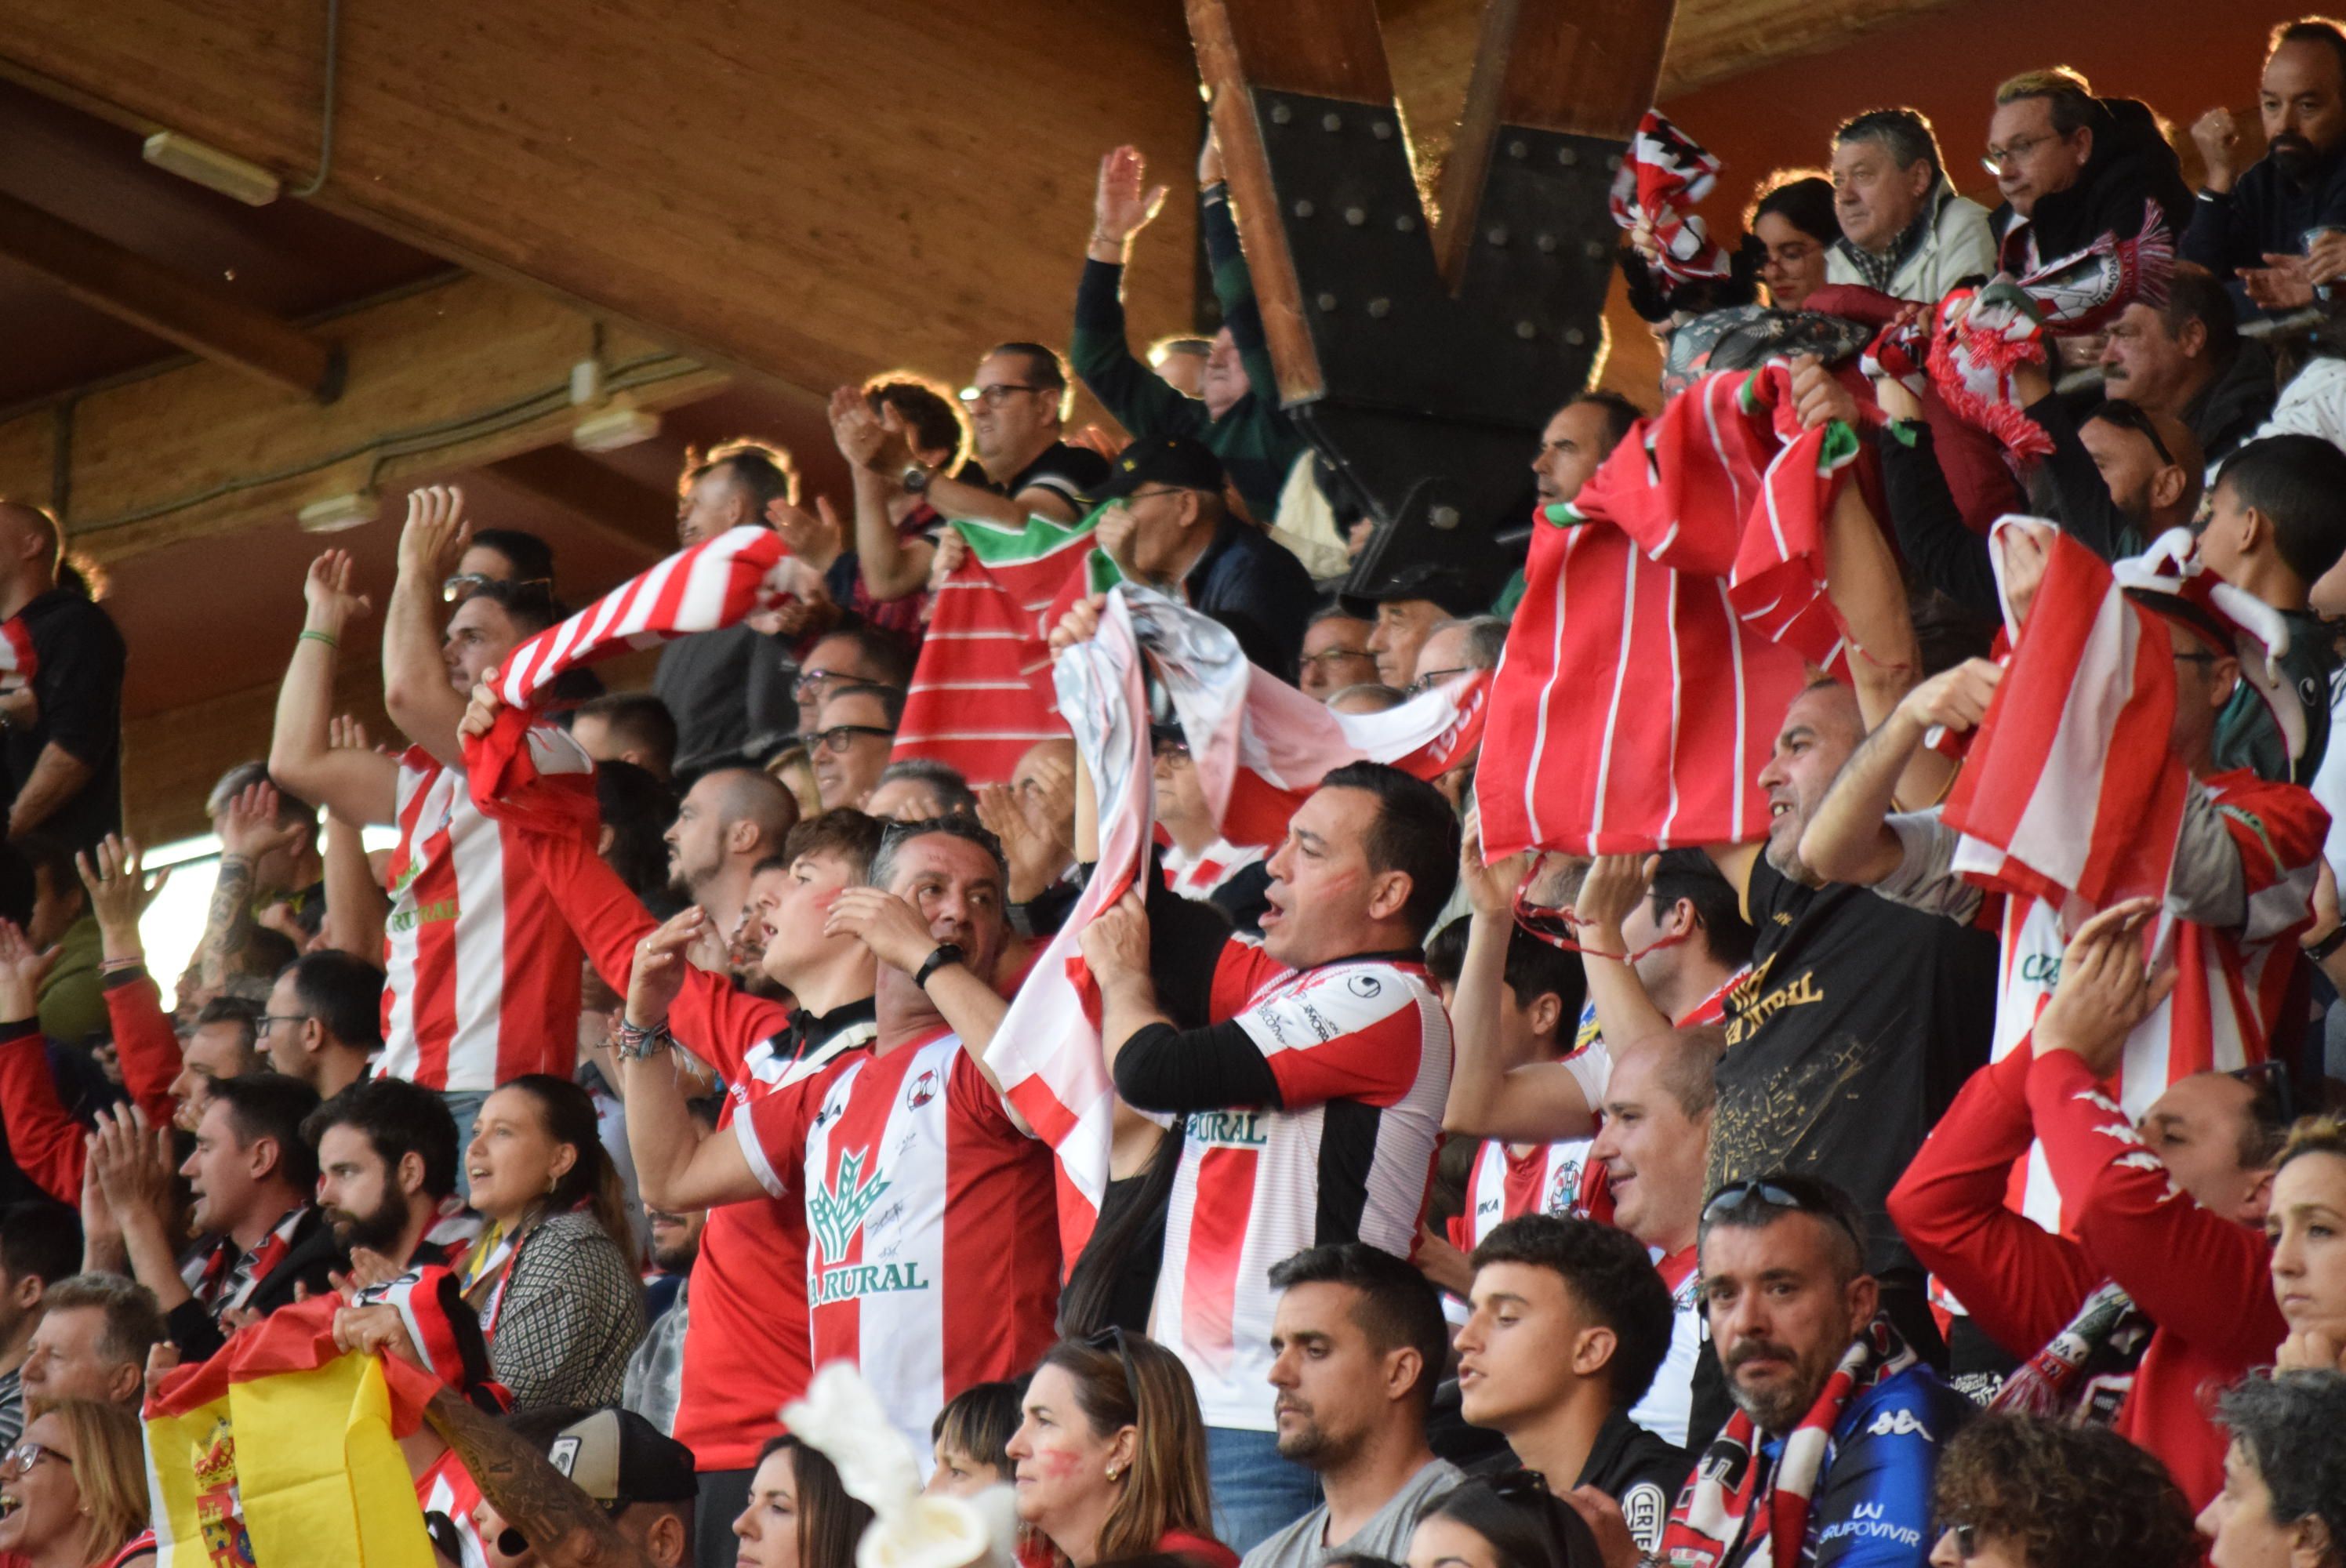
(361, 786)
(1492, 1093)
(249, 829)
(1849, 839)
(890, 565)
(356, 905)
(678, 1166)
(144, 1042)
(1137, 395)
(415, 689)
(44, 1139)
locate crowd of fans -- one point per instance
(1757, 1204)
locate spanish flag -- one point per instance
(284, 1449)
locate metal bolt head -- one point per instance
(1613, 161)
(1404, 223)
(1280, 114)
(1546, 243)
(1381, 130)
(1331, 122)
(1518, 149)
(1356, 216)
(1564, 155)
(1595, 250)
(1526, 330)
(1304, 208)
(1442, 517)
(1326, 302)
(1575, 336)
(1497, 234)
(1380, 308)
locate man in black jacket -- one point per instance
(2276, 226)
(2074, 167)
(1173, 530)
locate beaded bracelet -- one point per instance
(629, 1043)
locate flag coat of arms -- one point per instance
(283, 1449)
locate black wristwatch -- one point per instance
(948, 954)
(914, 479)
(2320, 951)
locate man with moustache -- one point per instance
(2279, 224)
(387, 1177)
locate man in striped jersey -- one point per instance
(933, 1256)
(483, 974)
(1313, 1103)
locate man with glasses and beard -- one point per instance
(386, 1175)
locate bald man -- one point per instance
(61, 731)
(731, 819)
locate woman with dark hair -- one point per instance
(1508, 1521)
(2306, 1223)
(2284, 1500)
(553, 1275)
(1111, 1457)
(1792, 214)
(799, 1516)
(971, 1437)
(2021, 1491)
(636, 810)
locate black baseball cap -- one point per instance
(1173, 460)
(616, 1458)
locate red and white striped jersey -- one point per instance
(1196, 876)
(1543, 1178)
(920, 1191)
(2232, 988)
(448, 1488)
(1668, 1405)
(482, 972)
(1360, 1050)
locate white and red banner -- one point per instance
(1046, 1054)
(702, 588)
(1260, 746)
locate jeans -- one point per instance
(463, 1105)
(1256, 1495)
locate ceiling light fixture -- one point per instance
(208, 166)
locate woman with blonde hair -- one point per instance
(1110, 1457)
(73, 1491)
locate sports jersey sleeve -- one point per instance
(2135, 1222)
(1926, 879)
(601, 911)
(1241, 970)
(1358, 1034)
(44, 1140)
(2020, 1283)
(721, 1023)
(144, 1042)
(980, 1102)
(1873, 1508)
(2275, 833)
(772, 1132)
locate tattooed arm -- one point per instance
(562, 1525)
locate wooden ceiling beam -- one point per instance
(157, 299)
(454, 377)
(629, 513)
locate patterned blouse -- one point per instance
(568, 1316)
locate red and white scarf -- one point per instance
(704, 588)
(1738, 1509)
(1662, 176)
(224, 1276)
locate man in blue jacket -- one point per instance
(1837, 1427)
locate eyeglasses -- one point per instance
(462, 585)
(1428, 679)
(809, 680)
(1177, 751)
(838, 737)
(1112, 1338)
(2130, 416)
(25, 1455)
(1735, 1194)
(1330, 656)
(268, 1021)
(998, 393)
(2275, 1072)
(1999, 157)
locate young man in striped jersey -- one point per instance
(483, 976)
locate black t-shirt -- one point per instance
(1073, 472)
(79, 683)
(1858, 1022)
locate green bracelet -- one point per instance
(325, 637)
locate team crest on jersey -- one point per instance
(1563, 1189)
(835, 1214)
(923, 1089)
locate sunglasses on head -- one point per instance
(2128, 417)
(1737, 1194)
(1112, 1338)
(2273, 1071)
